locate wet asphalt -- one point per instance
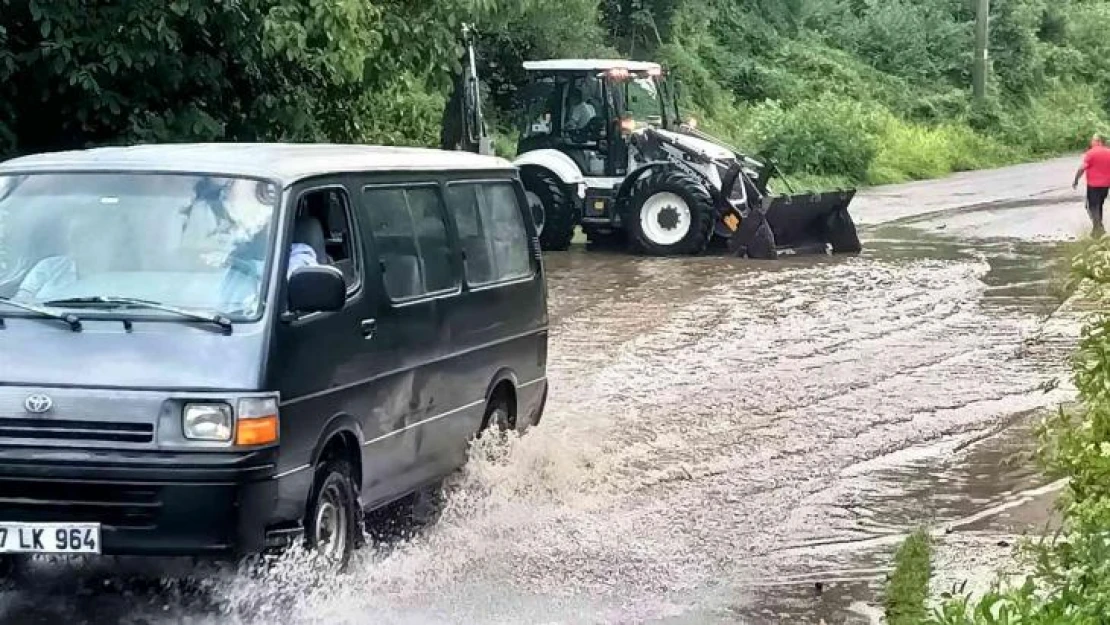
(727, 441)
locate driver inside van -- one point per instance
(70, 255)
(67, 258)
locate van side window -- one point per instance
(491, 231)
(331, 208)
(410, 234)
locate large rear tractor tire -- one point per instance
(670, 213)
(842, 235)
(553, 206)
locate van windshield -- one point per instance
(196, 242)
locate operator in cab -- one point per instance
(580, 112)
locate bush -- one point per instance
(828, 137)
(920, 41)
(1060, 120)
(910, 151)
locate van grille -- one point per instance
(124, 506)
(62, 430)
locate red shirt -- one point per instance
(1096, 162)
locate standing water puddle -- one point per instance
(722, 436)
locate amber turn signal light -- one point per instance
(257, 431)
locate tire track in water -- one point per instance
(904, 382)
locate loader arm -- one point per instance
(464, 125)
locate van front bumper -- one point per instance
(157, 504)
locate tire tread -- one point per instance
(697, 198)
(560, 213)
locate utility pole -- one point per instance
(979, 69)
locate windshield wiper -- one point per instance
(131, 302)
(73, 320)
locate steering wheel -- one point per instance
(592, 131)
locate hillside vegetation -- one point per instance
(839, 91)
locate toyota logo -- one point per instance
(38, 404)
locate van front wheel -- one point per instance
(333, 521)
(500, 415)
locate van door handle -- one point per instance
(369, 328)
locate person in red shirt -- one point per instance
(1096, 165)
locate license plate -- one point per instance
(51, 538)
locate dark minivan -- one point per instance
(209, 349)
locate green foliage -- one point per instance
(912, 152)
(833, 136)
(908, 587)
(916, 41)
(1060, 119)
(845, 91)
(890, 78)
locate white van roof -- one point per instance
(285, 163)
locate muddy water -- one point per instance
(726, 441)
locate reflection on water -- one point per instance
(726, 440)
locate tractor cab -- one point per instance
(587, 109)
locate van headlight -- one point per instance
(208, 422)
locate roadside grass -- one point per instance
(907, 589)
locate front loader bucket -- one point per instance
(814, 220)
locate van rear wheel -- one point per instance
(333, 520)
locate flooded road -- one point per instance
(726, 441)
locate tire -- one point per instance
(500, 415)
(560, 211)
(670, 213)
(841, 232)
(333, 504)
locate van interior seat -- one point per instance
(478, 259)
(402, 275)
(309, 231)
(347, 267)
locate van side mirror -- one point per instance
(317, 288)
